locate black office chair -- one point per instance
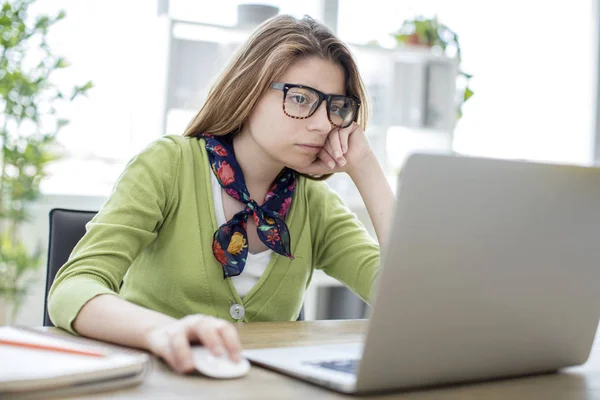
(67, 227)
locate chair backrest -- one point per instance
(67, 227)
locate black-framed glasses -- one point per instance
(301, 102)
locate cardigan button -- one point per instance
(237, 311)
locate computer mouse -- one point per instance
(218, 367)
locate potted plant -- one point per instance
(29, 125)
(431, 34)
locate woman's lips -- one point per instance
(312, 148)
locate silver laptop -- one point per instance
(492, 270)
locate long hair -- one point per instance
(262, 59)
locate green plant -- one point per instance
(430, 33)
(29, 125)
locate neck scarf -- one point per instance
(230, 240)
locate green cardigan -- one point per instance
(154, 234)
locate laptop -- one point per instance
(492, 270)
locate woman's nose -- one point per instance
(320, 120)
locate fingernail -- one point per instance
(342, 162)
(344, 149)
(337, 154)
(331, 165)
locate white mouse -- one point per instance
(218, 367)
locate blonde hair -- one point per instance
(261, 60)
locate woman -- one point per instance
(227, 222)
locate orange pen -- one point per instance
(50, 348)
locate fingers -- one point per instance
(345, 136)
(180, 356)
(333, 155)
(334, 147)
(350, 129)
(172, 342)
(231, 339)
(210, 338)
(326, 158)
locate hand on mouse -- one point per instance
(171, 342)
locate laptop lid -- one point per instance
(491, 270)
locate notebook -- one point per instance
(84, 366)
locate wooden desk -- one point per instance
(573, 383)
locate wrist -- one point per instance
(364, 167)
(149, 335)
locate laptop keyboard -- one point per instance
(347, 366)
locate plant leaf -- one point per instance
(62, 63)
(468, 94)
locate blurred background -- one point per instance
(510, 79)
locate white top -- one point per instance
(256, 264)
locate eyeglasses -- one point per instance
(301, 102)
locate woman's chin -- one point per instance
(300, 165)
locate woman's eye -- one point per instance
(335, 108)
(299, 99)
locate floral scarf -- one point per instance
(229, 241)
